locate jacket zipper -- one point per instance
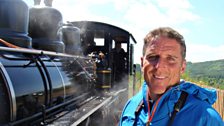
(150, 116)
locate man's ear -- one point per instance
(183, 67)
(141, 61)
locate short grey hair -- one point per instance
(165, 32)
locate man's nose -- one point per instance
(161, 63)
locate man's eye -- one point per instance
(152, 58)
(171, 59)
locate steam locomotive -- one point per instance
(48, 69)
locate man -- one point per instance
(118, 61)
(163, 62)
(101, 62)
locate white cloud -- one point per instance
(139, 17)
(200, 53)
(181, 4)
(121, 5)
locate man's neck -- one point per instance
(154, 97)
(118, 49)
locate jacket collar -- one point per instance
(168, 99)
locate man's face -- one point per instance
(162, 64)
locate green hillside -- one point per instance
(210, 72)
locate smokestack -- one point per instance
(48, 3)
(44, 23)
(14, 22)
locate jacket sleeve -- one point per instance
(127, 118)
(126, 121)
(128, 114)
(212, 118)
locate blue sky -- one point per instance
(199, 21)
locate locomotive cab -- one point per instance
(97, 38)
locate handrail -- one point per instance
(40, 52)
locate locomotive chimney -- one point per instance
(14, 22)
(71, 39)
(44, 24)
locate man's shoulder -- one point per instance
(133, 103)
(201, 111)
(138, 97)
(200, 93)
(205, 109)
(128, 114)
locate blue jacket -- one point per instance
(197, 110)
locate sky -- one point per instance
(199, 21)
